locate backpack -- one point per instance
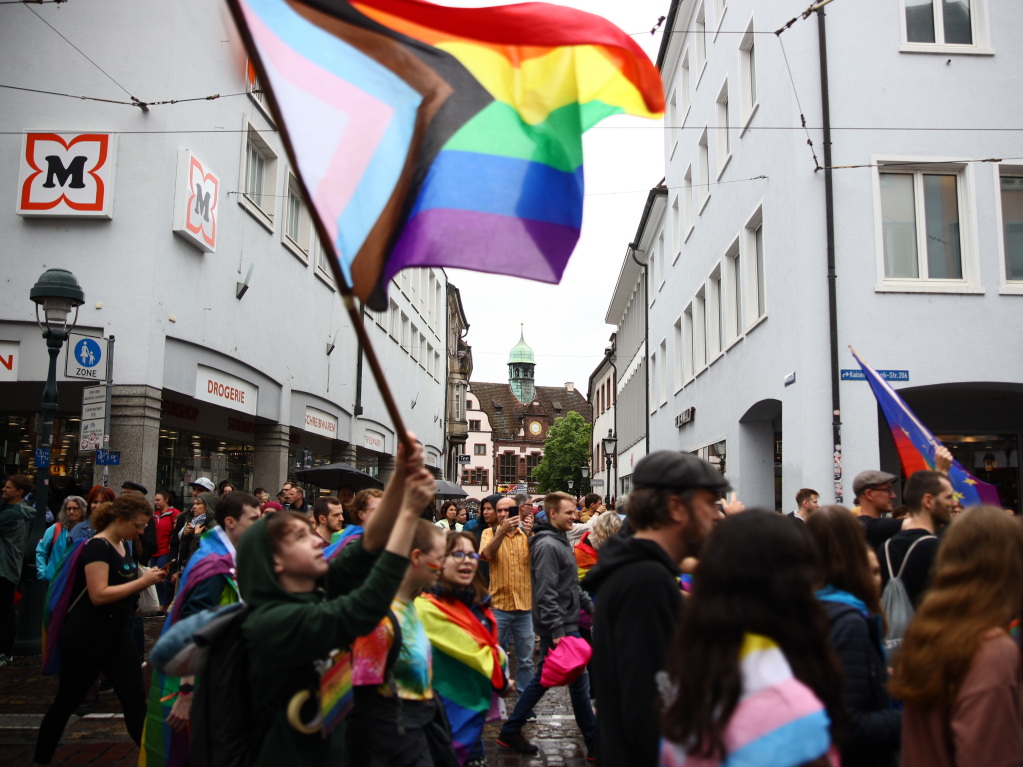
(895, 601)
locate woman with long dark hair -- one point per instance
(447, 519)
(750, 667)
(463, 633)
(850, 599)
(958, 671)
(97, 630)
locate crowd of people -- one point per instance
(720, 634)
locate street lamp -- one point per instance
(585, 471)
(570, 484)
(610, 444)
(57, 292)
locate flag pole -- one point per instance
(347, 297)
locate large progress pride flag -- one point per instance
(916, 444)
(451, 137)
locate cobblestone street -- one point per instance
(100, 738)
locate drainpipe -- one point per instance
(614, 369)
(829, 218)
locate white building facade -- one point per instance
(601, 393)
(747, 352)
(185, 227)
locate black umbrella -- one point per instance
(447, 489)
(335, 475)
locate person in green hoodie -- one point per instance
(304, 608)
(15, 517)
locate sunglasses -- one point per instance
(458, 556)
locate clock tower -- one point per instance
(520, 371)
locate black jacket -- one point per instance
(638, 604)
(874, 727)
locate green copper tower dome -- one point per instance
(520, 371)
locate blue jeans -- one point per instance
(579, 691)
(518, 625)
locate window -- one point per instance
(479, 449)
(687, 201)
(747, 76)
(320, 258)
(405, 333)
(259, 178)
(676, 229)
(438, 368)
(468, 404)
(673, 123)
(662, 261)
(431, 367)
(689, 341)
(701, 43)
(734, 292)
(479, 477)
(1011, 188)
(941, 22)
(723, 138)
(921, 224)
(473, 425)
(662, 380)
(507, 469)
(704, 171)
(423, 351)
(679, 351)
(532, 461)
(720, 6)
(756, 304)
(716, 315)
(414, 343)
(700, 330)
(298, 235)
(395, 327)
(686, 87)
(653, 271)
(654, 380)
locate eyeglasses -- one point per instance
(882, 489)
(460, 555)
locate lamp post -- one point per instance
(57, 292)
(585, 471)
(570, 484)
(610, 445)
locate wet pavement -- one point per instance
(99, 738)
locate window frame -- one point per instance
(479, 448)
(1010, 170)
(749, 93)
(979, 28)
(722, 138)
(255, 141)
(704, 185)
(970, 249)
(688, 203)
(300, 244)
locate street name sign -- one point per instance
(888, 375)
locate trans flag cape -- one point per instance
(58, 601)
(452, 137)
(469, 667)
(778, 722)
(916, 445)
(161, 745)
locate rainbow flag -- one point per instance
(59, 603)
(482, 112)
(469, 667)
(778, 721)
(916, 445)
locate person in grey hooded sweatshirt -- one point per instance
(557, 600)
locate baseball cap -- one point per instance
(872, 478)
(129, 485)
(673, 470)
(205, 483)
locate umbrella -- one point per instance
(447, 489)
(334, 475)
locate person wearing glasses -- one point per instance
(463, 634)
(57, 538)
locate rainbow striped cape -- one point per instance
(338, 541)
(58, 602)
(778, 722)
(425, 135)
(469, 667)
(161, 745)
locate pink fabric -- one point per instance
(566, 662)
(769, 709)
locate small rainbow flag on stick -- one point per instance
(451, 137)
(916, 444)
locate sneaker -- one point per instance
(6, 660)
(105, 687)
(516, 742)
(531, 716)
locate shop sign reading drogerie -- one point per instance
(68, 175)
(220, 388)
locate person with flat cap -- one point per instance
(672, 507)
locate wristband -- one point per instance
(186, 688)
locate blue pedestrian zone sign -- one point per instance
(888, 375)
(86, 358)
(108, 457)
